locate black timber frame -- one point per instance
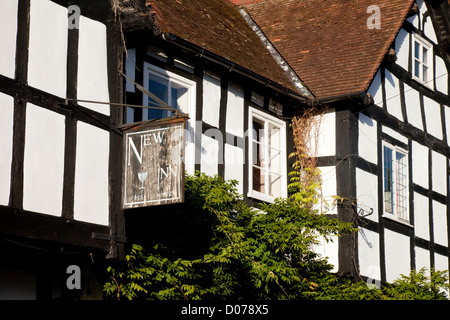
(347, 159)
(136, 219)
(23, 226)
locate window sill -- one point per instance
(261, 196)
(396, 219)
(428, 85)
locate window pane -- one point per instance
(258, 154)
(274, 153)
(179, 97)
(417, 68)
(425, 74)
(159, 87)
(416, 50)
(258, 131)
(258, 144)
(401, 187)
(274, 184)
(274, 137)
(274, 163)
(425, 55)
(388, 183)
(258, 180)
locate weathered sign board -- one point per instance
(153, 172)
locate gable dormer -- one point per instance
(421, 45)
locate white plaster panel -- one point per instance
(402, 48)
(413, 111)
(192, 141)
(235, 110)
(439, 172)
(421, 216)
(329, 250)
(93, 65)
(433, 117)
(420, 164)
(422, 258)
(367, 193)
(8, 25)
(91, 197)
(43, 169)
(440, 262)
(6, 145)
(369, 253)
(394, 134)
(234, 165)
(327, 203)
(393, 95)
(367, 143)
(447, 122)
(47, 56)
(440, 223)
(429, 30)
(210, 155)
(415, 18)
(130, 67)
(397, 255)
(326, 137)
(441, 75)
(422, 10)
(375, 89)
(211, 99)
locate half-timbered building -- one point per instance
(206, 60)
(60, 190)
(95, 97)
(381, 67)
(80, 84)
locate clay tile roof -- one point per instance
(327, 42)
(218, 27)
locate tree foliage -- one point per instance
(265, 253)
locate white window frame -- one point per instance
(395, 214)
(189, 156)
(267, 119)
(171, 78)
(428, 63)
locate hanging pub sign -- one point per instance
(153, 172)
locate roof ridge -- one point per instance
(281, 61)
(329, 43)
(216, 26)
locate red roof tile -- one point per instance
(328, 42)
(242, 2)
(217, 26)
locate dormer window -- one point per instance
(422, 61)
(174, 90)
